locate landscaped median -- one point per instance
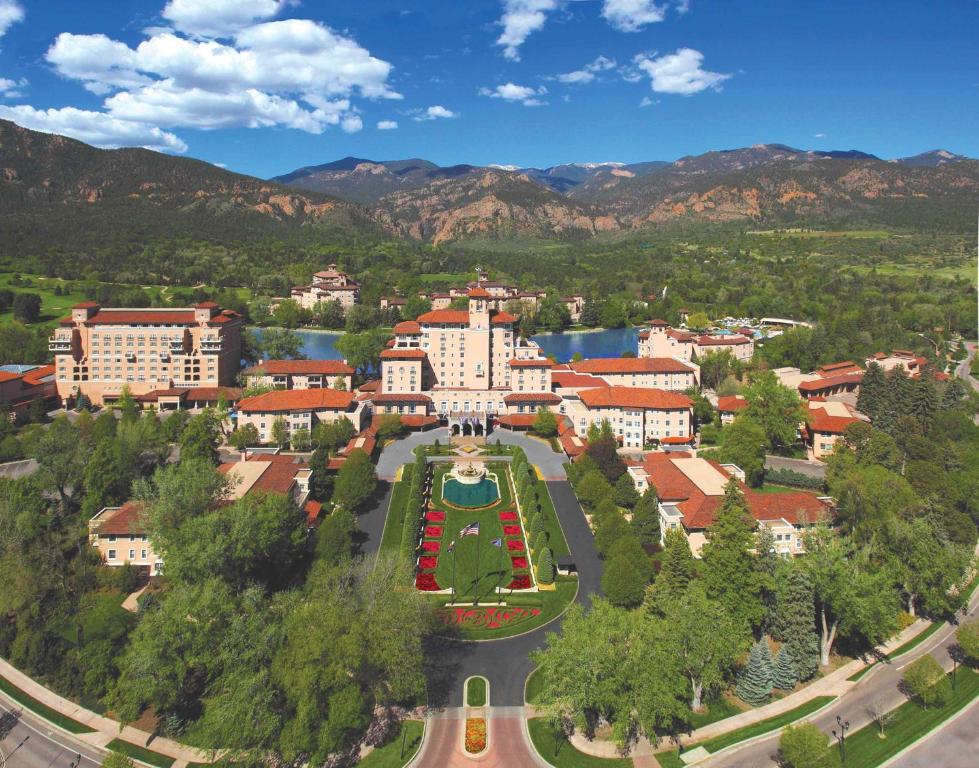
(559, 752)
(42, 710)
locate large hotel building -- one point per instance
(98, 352)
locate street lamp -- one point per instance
(840, 736)
(5, 758)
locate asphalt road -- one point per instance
(955, 745)
(46, 747)
(962, 371)
(880, 685)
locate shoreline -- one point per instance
(585, 330)
(326, 331)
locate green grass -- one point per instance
(552, 526)
(535, 686)
(911, 644)
(142, 754)
(389, 755)
(670, 759)
(394, 523)
(552, 605)
(910, 723)
(43, 710)
(562, 754)
(476, 692)
(764, 726)
(719, 709)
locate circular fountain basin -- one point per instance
(482, 493)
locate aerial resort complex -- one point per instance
(585, 431)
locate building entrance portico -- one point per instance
(468, 423)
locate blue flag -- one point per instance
(497, 542)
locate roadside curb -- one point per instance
(945, 723)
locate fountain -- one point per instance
(469, 475)
(470, 486)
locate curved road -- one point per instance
(45, 747)
(878, 685)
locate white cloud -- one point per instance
(679, 72)
(295, 73)
(520, 19)
(10, 13)
(647, 102)
(10, 89)
(387, 125)
(632, 15)
(436, 111)
(820, 135)
(218, 18)
(587, 73)
(512, 92)
(96, 128)
(351, 123)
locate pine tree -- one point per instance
(783, 675)
(755, 680)
(545, 566)
(953, 394)
(871, 398)
(924, 399)
(795, 621)
(675, 574)
(645, 518)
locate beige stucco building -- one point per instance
(100, 351)
(329, 284)
(300, 374)
(639, 416)
(826, 421)
(299, 409)
(661, 340)
(121, 538)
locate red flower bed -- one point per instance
(518, 562)
(515, 545)
(511, 530)
(490, 617)
(508, 515)
(434, 516)
(433, 531)
(426, 582)
(475, 735)
(431, 546)
(520, 581)
(428, 562)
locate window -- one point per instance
(142, 554)
(132, 554)
(112, 554)
(112, 538)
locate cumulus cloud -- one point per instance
(93, 128)
(587, 73)
(223, 65)
(512, 92)
(217, 18)
(435, 112)
(387, 125)
(10, 89)
(679, 72)
(10, 13)
(647, 102)
(520, 19)
(632, 15)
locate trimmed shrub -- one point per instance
(545, 566)
(804, 746)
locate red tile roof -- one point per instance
(402, 353)
(571, 380)
(634, 397)
(819, 420)
(297, 400)
(370, 386)
(731, 404)
(461, 317)
(278, 477)
(521, 420)
(193, 394)
(479, 293)
(624, 365)
(408, 326)
(540, 362)
(831, 382)
(658, 323)
(300, 368)
(34, 376)
(123, 521)
(516, 398)
(835, 369)
(722, 341)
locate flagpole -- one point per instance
(453, 572)
(476, 588)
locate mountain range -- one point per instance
(56, 192)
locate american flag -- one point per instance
(470, 530)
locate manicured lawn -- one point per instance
(551, 605)
(910, 723)
(494, 563)
(716, 710)
(764, 726)
(562, 755)
(394, 524)
(670, 759)
(140, 753)
(52, 716)
(476, 692)
(535, 685)
(555, 535)
(389, 755)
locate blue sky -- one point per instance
(265, 86)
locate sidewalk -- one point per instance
(104, 728)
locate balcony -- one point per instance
(176, 346)
(130, 357)
(211, 345)
(59, 345)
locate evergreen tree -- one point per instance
(645, 518)
(730, 568)
(783, 674)
(953, 394)
(675, 575)
(870, 401)
(924, 401)
(545, 566)
(795, 622)
(537, 524)
(625, 493)
(540, 542)
(755, 680)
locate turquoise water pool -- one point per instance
(481, 494)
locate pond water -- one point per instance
(319, 345)
(470, 495)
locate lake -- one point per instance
(318, 345)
